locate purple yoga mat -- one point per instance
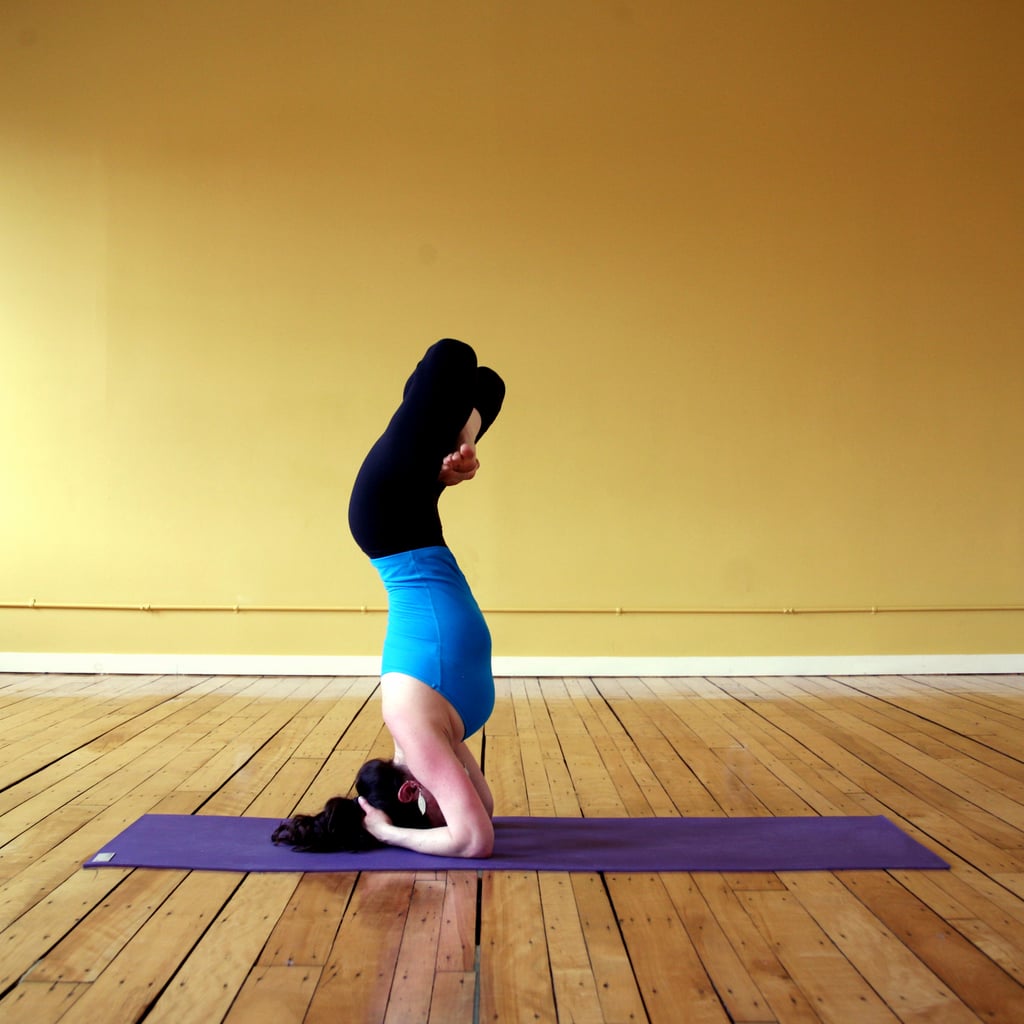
(541, 844)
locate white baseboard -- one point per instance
(369, 665)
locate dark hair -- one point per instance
(339, 826)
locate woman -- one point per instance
(436, 682)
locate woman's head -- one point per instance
(391, 788)
(339, 826)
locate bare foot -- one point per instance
(460, 465)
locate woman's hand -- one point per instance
(375, 821)
(460, 465)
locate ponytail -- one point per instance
(339, 826)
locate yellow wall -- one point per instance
(752, 271)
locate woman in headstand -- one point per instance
(436, 683)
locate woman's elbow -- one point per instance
(483, 848)
(479, 845)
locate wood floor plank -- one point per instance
(787, 1003)
(634, 787)
(453, 998)
(52, 867)
(635, 780)
(207, 982)
(85, 952)
(988, 898)
(1014, 881)
(35, 1002)
(832, 985)
(730, 976)
(639, 718)
(593, 784)
(365, 727)
(575, 987)
(360, 969)
(237, 794)
(996, 770)
(336, 777)
(531, 754)
(342, 706)
(561, 785)
(610, 964)
(699, 714)
(274, 995)
(994, 944)
(803, 783)
(935, 719)
(673, 982)
(503, 720)
(515, 974)
(731, 790)
(30, 754)
(412, 989)
(31, 934)
(138, 974)
(281, 794)
(907, 985)
(961, 711)
(456, 946)
(306, 930)
(240, 747)
(980, 983)
(138, 754)
(505, 776)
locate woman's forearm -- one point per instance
(476, 776)
(480, 785)
(438, 842)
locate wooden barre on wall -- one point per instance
(34, 605)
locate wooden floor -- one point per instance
(81, 757)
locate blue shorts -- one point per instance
(436, 632)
